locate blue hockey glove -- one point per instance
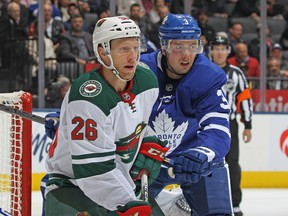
(191, 165)
(51, 124)
(140, 208)
(150, 158)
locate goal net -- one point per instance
(15, 155)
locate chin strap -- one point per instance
(114, 70)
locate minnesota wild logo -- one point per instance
(90, 88)
(127, 146)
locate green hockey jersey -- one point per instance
(99, 136)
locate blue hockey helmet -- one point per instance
(179, 27)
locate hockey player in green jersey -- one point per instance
(99, 151)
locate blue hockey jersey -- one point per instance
(191, 111)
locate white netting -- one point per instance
(11, 127)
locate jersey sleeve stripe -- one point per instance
(213, 115)
(93, 155)
(218, 127)
(93, 160)
(93, 169)
(59, 182)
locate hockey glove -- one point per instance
(190, 165)
(51, 124)
(139, 208)
(150, 157)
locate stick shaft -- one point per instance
(22, 114)
(144, 186)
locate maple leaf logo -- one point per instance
(164, 128)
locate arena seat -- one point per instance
(218, 23)
(247, 37)
(276, 26)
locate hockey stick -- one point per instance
(144, 186)
(22, 114)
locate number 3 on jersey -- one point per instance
(84, 129)
(225, 104)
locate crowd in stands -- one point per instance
(69, 24)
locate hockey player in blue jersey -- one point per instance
(191, 112)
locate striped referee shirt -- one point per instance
(238, 94)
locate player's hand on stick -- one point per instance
(139, 208)
(150, 158)
(191, 165)
(51, 124)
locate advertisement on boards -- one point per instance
(276, 100)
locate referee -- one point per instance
(239, 98)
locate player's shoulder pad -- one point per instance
(144, 76)
(150, 59)
(86, 86)
(205, 76)
(142, 64)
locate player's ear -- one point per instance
(101, 51)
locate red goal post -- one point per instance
(15, 155)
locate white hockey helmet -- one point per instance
(110, 28)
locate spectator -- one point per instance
(56, 92)
(215, 8)
(249, 65)
(275, 10)
(177, 7)
(53, 26)
(24, 13)
(12, 26)
(63, 8)
(277, 52)
(13, 47)
(275, 75)
(135, 15)
(147, 5)
(13, 33)
(152, 29)
(73, 8)
(153, 16)
(123, 6)
(84, 6)
(207, 30)
(76, 45)
(95, 4)
(247, 8)
(254, 44)
(235, 36)
(33, 10)
(284, 40)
